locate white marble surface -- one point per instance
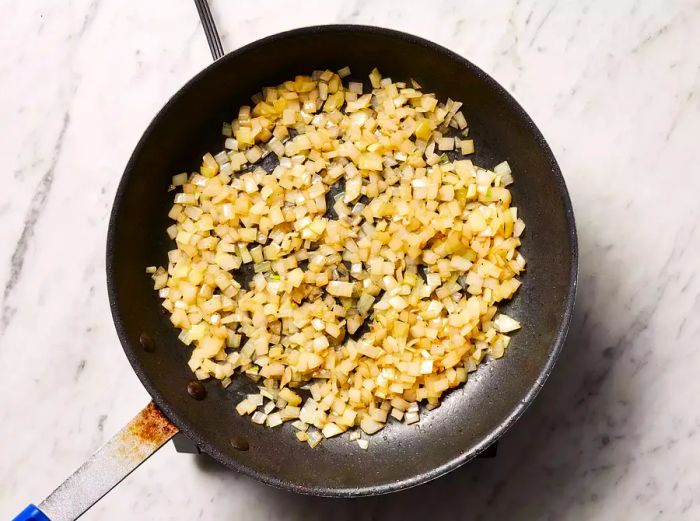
(614, 86)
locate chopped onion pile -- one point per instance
(369, 301)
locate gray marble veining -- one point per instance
(615, 88)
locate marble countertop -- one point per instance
(615, 88)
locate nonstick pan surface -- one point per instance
(400, 456)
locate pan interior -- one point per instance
(469, 418)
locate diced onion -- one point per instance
(505, 324)
(377, 254)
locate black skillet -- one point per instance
(400, 456)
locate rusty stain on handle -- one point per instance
(137, 441)
(149, 430)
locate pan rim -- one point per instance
(470, 452)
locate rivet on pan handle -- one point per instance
(114, 461)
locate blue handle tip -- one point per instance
(31, 513)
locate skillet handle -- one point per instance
(115, 460)
(217, 50)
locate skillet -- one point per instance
(469, 419)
